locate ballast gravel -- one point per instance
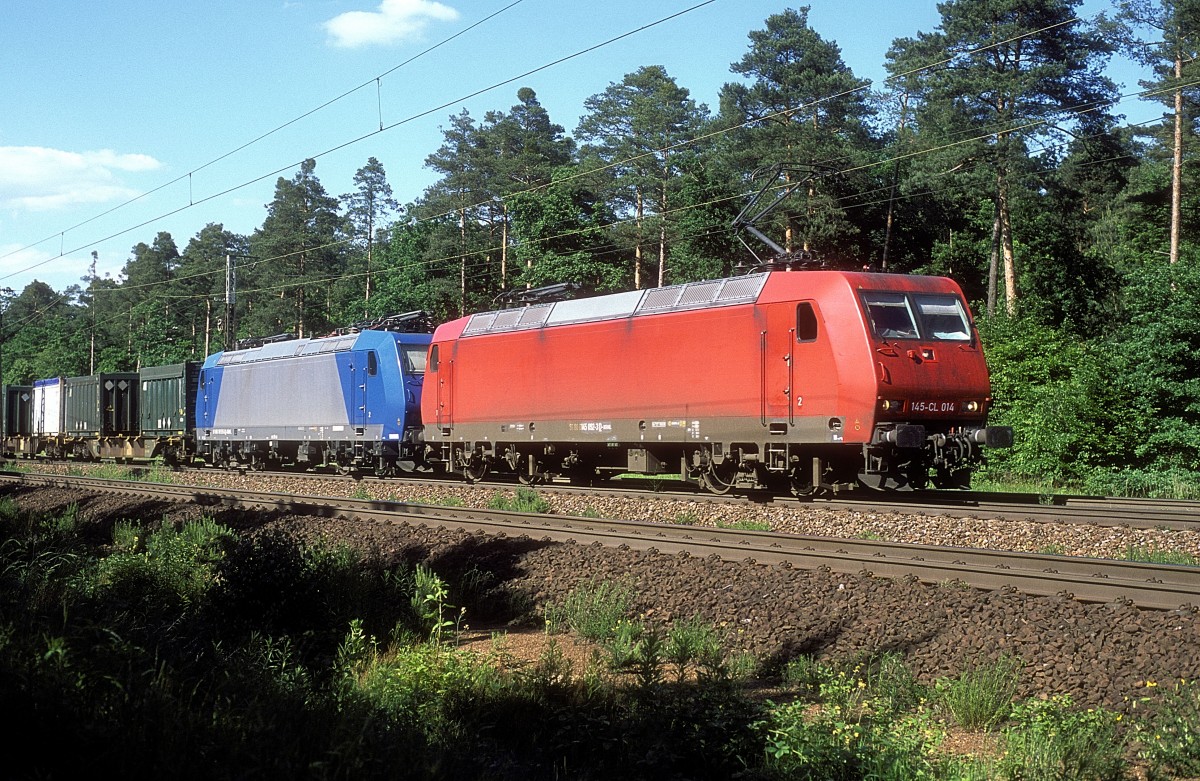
(1108, 655)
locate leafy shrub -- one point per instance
(429, 604)
(1056, 390)
(146, 565)
(688, 642)
(1170, 740)
(638, 649)
(804, 675)
(812, 744)
(1050, 740)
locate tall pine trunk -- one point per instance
(1006, 241)
(1177, 162)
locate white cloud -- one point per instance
(35, 178)
(395, 21)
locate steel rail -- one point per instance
(1156, 586)
(1091, 510)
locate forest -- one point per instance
(993, 154)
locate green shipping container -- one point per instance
(101, 405)
(168, 398)
(18, 410)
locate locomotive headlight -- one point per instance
(972, 406)
(891, 405)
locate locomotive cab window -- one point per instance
(412, 358)
(806, 322)
(891, 315)
(943, 317)
(372, 363)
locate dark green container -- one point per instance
(168, 399)
(101, 405)
(18, 411)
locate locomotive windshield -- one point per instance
(891, 316)
(412, 358)
(938, 316)
(943, 317)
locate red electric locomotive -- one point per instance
(809, 380)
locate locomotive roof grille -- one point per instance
(676, 298)
(290, 349)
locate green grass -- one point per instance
(592, 610)
(746, 526)
(163, 648)
(1127, 483)
(982, 695)
(525, 500)
(1159, 556)
(1052, 739)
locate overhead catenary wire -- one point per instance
(335, 148)
(376, 80)
(582, 173)
(427, 112)
(484, 252)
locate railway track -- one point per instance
(1156, 586)
(1134, 513)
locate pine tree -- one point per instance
(298, 258)
(995, 75)
(1174, 55)
(367, 209)
(805, 111)
(639, 133)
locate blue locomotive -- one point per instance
(351, 401)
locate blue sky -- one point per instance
(167, 104)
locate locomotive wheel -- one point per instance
(474, 468)
(945, 478)
(718, 479)
(801, 488)
(532, 474)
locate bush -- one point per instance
(146, 565)
(1170, 740)
(1051, 740)
(827, 744)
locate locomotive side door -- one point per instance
(777, 369)
(365, 366)
(800, 382)
(442, 366)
